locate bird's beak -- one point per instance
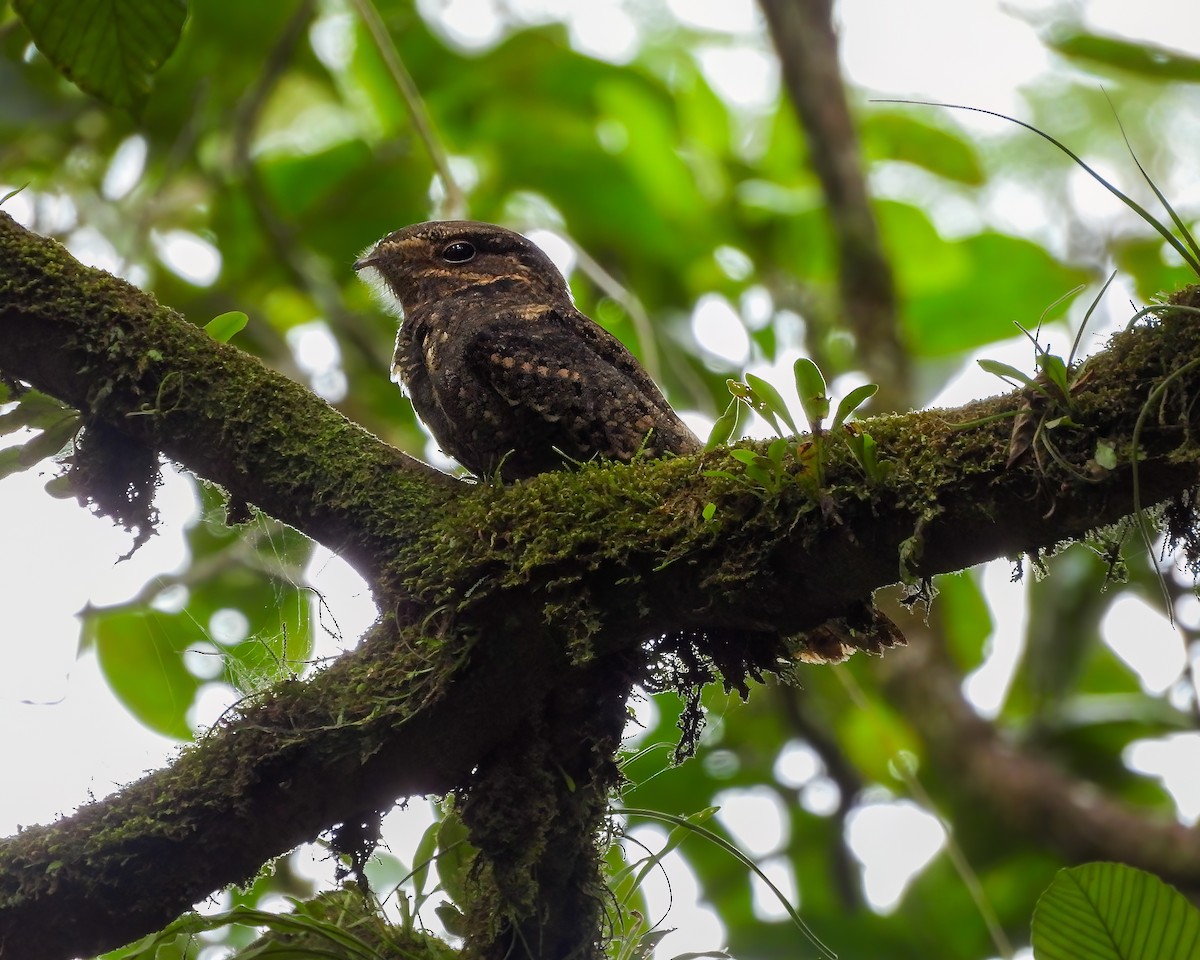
(367, 261)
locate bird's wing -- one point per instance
(560, 369)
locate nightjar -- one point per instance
(506, 373)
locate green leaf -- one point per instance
(1006, 371)
(302, 923)
(852, 401)
(810, 387)
(739, 390)
(1134, 56)
(51, 440)
(10, 461)
(452, 919)
(897, 136)
(1055, 369)
(710, 511)
(767, 401)
(1188, 255)
(299, 182)
(3, 200)
(761, 477)
(864, 448)
(61, 487)
(968, 621)
(225, 327)
(456, 857)
(33, 409)
(809, 380)
(1108, 911)
(1001, 275)
(108, 48)
(140, 655)
(776, 450)
(1087, 318)
(1105, 455)
(423, 858)
(685, 827)
(758, 468)
(725, 426)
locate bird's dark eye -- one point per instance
(458, 252)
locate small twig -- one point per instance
(630, 303)
(958, 859)
(810, 728)
(454, 204)
(309, 273)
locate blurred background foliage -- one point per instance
(274, 145)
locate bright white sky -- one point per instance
(62, 735)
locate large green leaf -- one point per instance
(254, 579)
(141, 655)
(1144, 258)
(1109, 911)
(889, 135)
(966, 616)
(108, 48)
(33, 409)
(962, 294)
(1128, 55)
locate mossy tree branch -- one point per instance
(141, 370)
(489, 593)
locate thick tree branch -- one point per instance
(107, 348)
(307, 756)
(508, 584)
(110, 350)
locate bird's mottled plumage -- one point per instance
(501, 366)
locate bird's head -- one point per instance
(429, 262)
